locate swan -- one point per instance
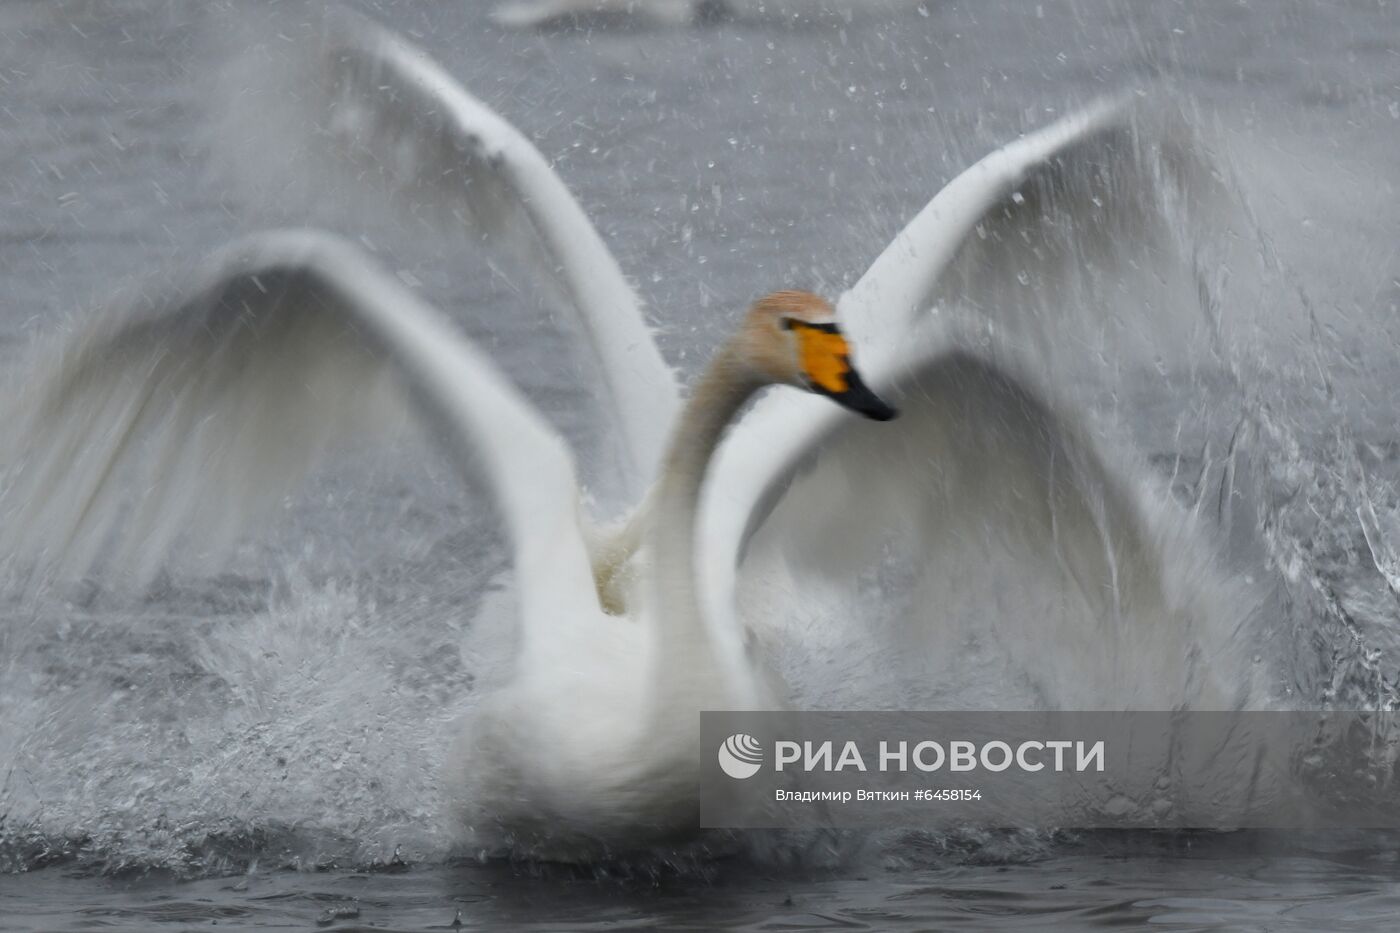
(549, 14)
(222, 390)
(544, 14)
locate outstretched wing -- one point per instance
(208, 401)
(989, 523)
(1080, 212)
(370, 107)
(981, 463)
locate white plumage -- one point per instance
(217, 395)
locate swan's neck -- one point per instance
(685, 651)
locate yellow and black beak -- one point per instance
(825, 358)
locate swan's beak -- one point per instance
(858, 398)
(825, 358)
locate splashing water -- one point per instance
(296, 711)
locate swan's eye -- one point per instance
(823, 354)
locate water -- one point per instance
(169, 756)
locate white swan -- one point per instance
(544, 14)
(547, 14)
(235, 381)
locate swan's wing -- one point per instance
(1077, 193)
(1038, 224)
(1041, 223)
(387, 118)
(204, 403)
(985, 514)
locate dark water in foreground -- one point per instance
(1247, 882)
(145, 740)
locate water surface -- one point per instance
(253, 744)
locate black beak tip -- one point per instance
(859, 399)
(881, 412)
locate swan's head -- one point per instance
(792, 338)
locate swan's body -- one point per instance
(593, 745)
(623, 636)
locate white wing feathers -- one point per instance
(974, 443)
(392, 124)
(212, 399)
(881, 309)
(997, 517)
(903, 280)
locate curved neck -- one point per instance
(684, 649)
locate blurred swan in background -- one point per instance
(549, 14)
(215, 396)
(542, 14)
